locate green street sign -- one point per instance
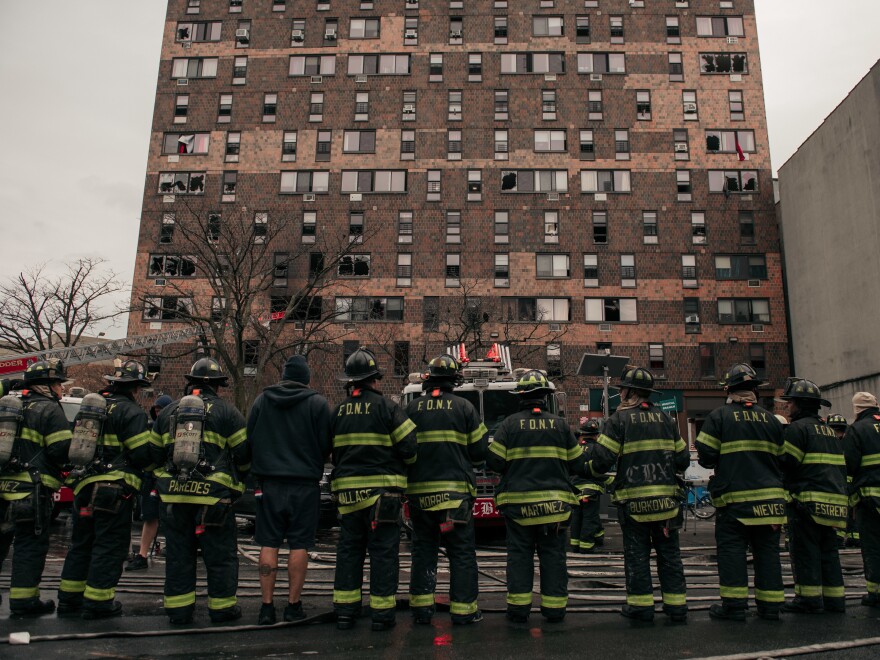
(667, 405)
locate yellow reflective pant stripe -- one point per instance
(873, 587)
(519, 599)
(421, 600)
(221, 603)
(734, 592)
(72, 586)
(807, 590)
(462, 609)
(382, 602)
(640, 600)
(833, 592)
(21, 593)
(180, 601)
(674, 599)
(345, 597)
(554, 602)
(99, 594)
(770, 596)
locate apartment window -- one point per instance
(404, 269)
(541, 310)
(369, 309)
(532, 63)
(627, 270)
(186, 143)
(621, 144)
(405, 227)
(306, 308)
(316, 106)
(373, 181)
(331, 29)
(354, 265)
(502, 226)
(656, 358)
(698, 228)
(582, 29)
(168, 308)
(594, 105)
(309, 226)
(323, 145)
(733, 181)
(312, 65)
(501, 145)
(707, 360)
(740, 267)
(194, 67)
(689, 271)
(218, 308)
(501, 29)
(611, 310)
(355, 226)
(534, 181)
(270, 107)
(435, 67)
(605, 181)
(233, 145)
(601, 63)
(743, 310)
(649, 227)
(604, 347)
(279, 5)
(434, 185)
(411, 31)
(317, 267)
(454, 106)
(689, 105)
(591, 270)
(554, 360)
(280, 264)
(600, 227)
(673, 30)
(501, 104)
(453, 151)
(691, 308)
(456, 29)
(724, 63)
(224, 114)
(683, 185)
(758, 359)
(720, 26)
(229, 186)
(730, 142)
(737, 106)
(384, 65)
(409, 106)
(305, 181)
(235, 6)
(430, 313)
(552, 265)
(747, 227)
(643, 105)
(182, 183)
(166, 230)
(548, 105)
(550, 141)
(298, 32)
(547, 26)
(407, 145)
(453, 269)
(475, 67)
(181, 108)
(502, 270)
(243, 34)
(363, 28)
(261, 227)
(616, 27)
(551, 226)
(401, 358)
(359, 142)
(676, 68)
(288, 147)
(453, 226)
(193, 6)
(239, 70)
(171, 265)
(474, 185)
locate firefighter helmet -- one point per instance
(741, 376)
(532, 382)
(836, 421)
(130, 371)
(590, 427)
(444, 366)
(637, 378)
(803, 390)
(207, 370)
(45, 372)
(361, 365)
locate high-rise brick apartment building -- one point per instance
(584, 174)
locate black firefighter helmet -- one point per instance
(45, 372)
(361, 365)
(590, 427)
(130, 371)
(444, 367)
(533, 384)
(837, 421)
(207, 370)
(637, 378)
(803, 390)
(741, 376)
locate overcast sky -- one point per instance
(78, 82)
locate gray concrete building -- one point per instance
(830, 226)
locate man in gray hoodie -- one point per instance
(289, 426)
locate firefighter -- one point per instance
(644, 445)
(862, 449)
(201, 449)
(33, 450)
(586, 530)
(850, 536)
(815, 476)
(105, 478)
(441, 489)
(373, 442)
(535, 453)
(743, 443)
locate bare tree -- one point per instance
(39, 311)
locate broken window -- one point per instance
(354, 265)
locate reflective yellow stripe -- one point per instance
(22, 593)
(554, 602)
(50, 481)
(225, 480)
(462, 609)
(402, 431)
(214, 438)
(382, 602)
(116, 475)
(793, 451)
(611, 445)
(156, 439)
(374, 481)
(477, 434)
(637, 492)
(770, 596)
(824, 498)
(734, 592)
(31, 436)
(543, 520)
(362, 439)
(410, 460)
(110, 440)
(236, 438)
(137, 440)
(833, 592)
(648, 445)
(674, 599)
(365, 503)
(99, 594)
(182, 600)
(870, 459)
(537, 452)
(873, 587)
(72, 586)
(221, 603)
(808, 590)
(654, 517)
(750, 445)
(422, 487)
(421, 600)
(640, 600)
(442, 436)
(816, 458)
(58, 436)
(535, 496)
(519, 599)
(574, 453)
(708, 440)
(680, 445)
(498, 449)
(346, 597)
(869, 491)
(741, 496)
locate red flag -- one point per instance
(739, 149)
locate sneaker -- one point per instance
(476, 617)
(267, 615)
(800, 605)
(138, 563)
(68, 609)
(645, 614)
(32, 607)
(379, 626)
(517, 617)
(222, 616)
(344, 622)
(294, 611)
(724, 613)
(105, 612)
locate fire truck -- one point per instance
(487, 384)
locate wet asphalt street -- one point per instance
(592, 629)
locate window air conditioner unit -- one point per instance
(549, 77)
(553, 197)
(757, 327)
(692, 318)
(690, 108)
(181, 82)
(316, 79)
(681, 147)
(409, 109)
(297, 35)
(604, 327)
(309, 197)
(299, 325)
(754, 283)
(732, 40)
(355, 197)
(595, 77)
(330, 35)
(361, 78)
(243, 35)
(555, 327)
(349, 326)
(412, 3)
(455, 34)
(410, 34)
(159, 282)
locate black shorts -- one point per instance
(288, 510)
(150, 504)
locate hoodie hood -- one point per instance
(287, 393)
